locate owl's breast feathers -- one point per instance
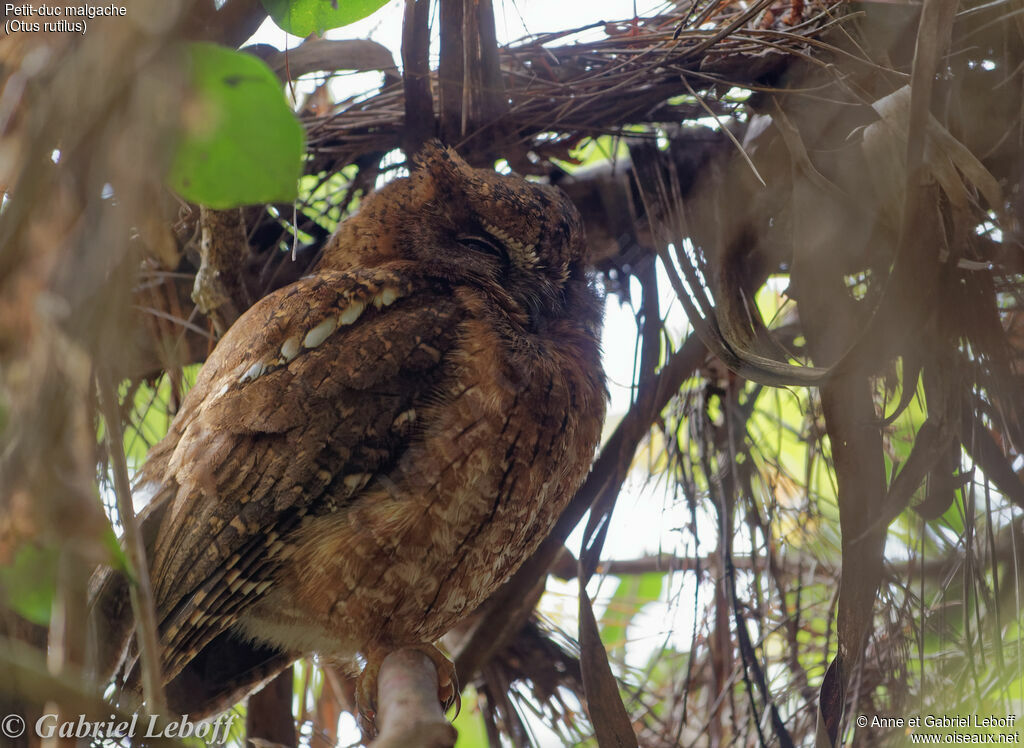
(364, 458)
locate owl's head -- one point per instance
(474, 227)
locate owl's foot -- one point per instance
(366, 685)
(447, 681)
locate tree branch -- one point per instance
(419, 105)
(268, 714)
(140, 590)
(408, 710)
(219, 292)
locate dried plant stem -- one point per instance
(140, 590)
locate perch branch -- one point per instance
(408, 711)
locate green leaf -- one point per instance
(241, 144)
(470, 723)
(303, 17)
(29, 584)
(118, 558)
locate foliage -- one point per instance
(305, 17)
(29, 583)
(240, 142)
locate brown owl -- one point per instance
(369, 452)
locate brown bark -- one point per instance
(268, 715)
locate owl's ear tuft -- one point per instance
(431, 151)
(442, 165)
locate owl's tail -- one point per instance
(111, 624)
(221, 674)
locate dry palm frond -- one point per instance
(558, 94)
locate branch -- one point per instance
(268, 713)
(450, 74)
(419, 105)
(326, 55)
(408, 711)
(231, 24)
(219, 292)
(671, 563)
(799, 565)
(140, 590)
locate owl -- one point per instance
(371, 451)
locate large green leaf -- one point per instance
(241, 143)
(29, 583)
(304, 17)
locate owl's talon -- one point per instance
(366, 685)
(450, 696)
(448, 692)
(366, 697)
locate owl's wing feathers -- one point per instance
(312, 392)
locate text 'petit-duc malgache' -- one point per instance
(74, 11)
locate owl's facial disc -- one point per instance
(537, 225)
(520, 242)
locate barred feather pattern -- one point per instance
(369, 452)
